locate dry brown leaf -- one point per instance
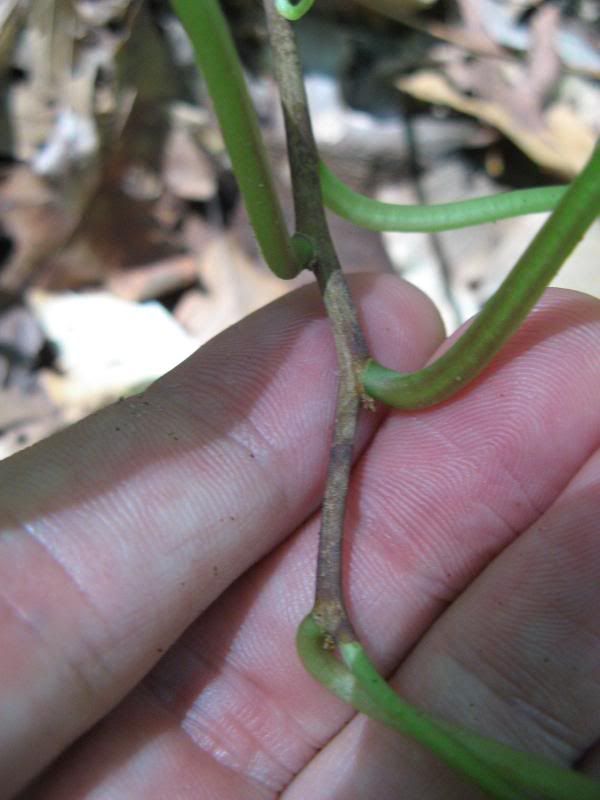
(563, 145)
(35, 221)
(396, 9)
(12, 13)
(18, 407)
(235, 286)
(155, 279)
(188, 172)
(105, 346)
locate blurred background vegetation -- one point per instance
(123, 243)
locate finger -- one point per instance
(427, 514)
(120, 530)
(516, 656)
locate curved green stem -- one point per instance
(383, 704)
(378, 216)
(217, 58)
(293, 10)
(504, 311)
(505, 773)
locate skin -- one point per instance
(474, 560)
(440, 380)
(506, 308)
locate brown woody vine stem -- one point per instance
(350, 344)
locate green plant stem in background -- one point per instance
(218, 60)
(293, 10)
(378, 216)
(504, 311)
(503, 772)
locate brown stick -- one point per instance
(351, 348)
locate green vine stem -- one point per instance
(327, 632)
(293, 10)
(503, 772)
(218, 60)
(578, 207)
(378, 216)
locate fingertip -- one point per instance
(402, 325)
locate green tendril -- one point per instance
(293, 11)
(220, 66)
(504, 311)
(503, 772)
(378, 216)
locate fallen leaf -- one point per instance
(563, 145)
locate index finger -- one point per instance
(119, 531)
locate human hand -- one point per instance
(193, 507)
